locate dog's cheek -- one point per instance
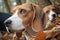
(28, 19)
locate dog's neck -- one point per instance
(29, 33)
(34, 26)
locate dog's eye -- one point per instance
(53, 9)
(22, 11)
(47, 11)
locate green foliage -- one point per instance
(32, 1)
(52, 1)
(41, 3)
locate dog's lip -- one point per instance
(11, 30)
(22, 29)
(53, 19)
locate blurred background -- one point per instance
(7, 5)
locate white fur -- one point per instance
(50, 19)
(49, 22)
(16, 22)
(27, 38)
(50, 15)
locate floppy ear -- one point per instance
(42, 18)
(36, 22)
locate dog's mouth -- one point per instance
(9, 30)
(55, 21)
(49, 22)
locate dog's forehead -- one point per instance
(48, 8)
(24, 6)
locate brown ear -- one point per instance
(36, 22)
(42, 19)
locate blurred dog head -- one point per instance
(50, 13)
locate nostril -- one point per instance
(8, 22)
(54, 15)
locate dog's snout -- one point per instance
(7, 22)
(54, 15)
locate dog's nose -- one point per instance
(54, 15)
(7, 22)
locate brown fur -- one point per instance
(31, 18)
(46, 11)
(30, 15)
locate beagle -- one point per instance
(50, 13)
(25, 16)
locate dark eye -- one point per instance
(47, 11)
(53, 9)
(22, 11)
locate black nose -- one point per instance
(7, 22)
(54, 15)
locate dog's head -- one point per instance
(23, 15)
(50, 13)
